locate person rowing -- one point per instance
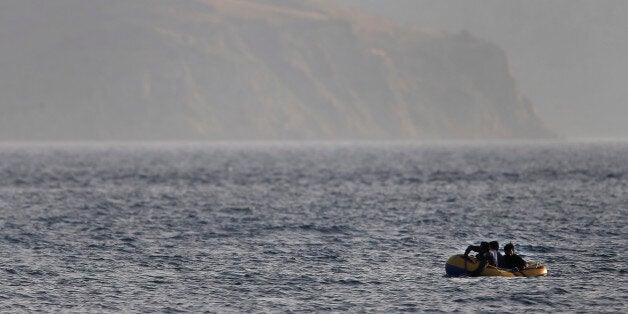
(512, 260)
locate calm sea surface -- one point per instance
(317, 227)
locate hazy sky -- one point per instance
(569, 56)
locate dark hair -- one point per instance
(509, 247)
(485, 246)
(494, 245)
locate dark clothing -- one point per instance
(514, 261)
(500, 260)
(482, 255)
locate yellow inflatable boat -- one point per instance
(458, 265)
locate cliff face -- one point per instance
(240, 69)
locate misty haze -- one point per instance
(250, 70)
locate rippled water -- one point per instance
(317, 227)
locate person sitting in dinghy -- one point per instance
(497, 257)
(512, 260)
(484, 253)
(484, 256)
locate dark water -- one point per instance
(275, 228)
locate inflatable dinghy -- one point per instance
(459, 265)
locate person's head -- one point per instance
(509, 249)
(485, 247)
(494, 245)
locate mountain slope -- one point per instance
(240, 69)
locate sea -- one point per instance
(310, 227)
